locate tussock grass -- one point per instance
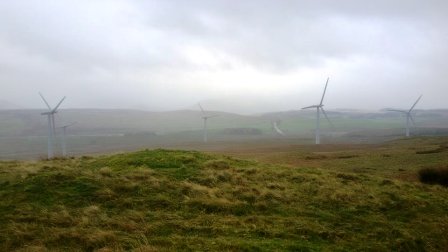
(434, 176)
(164, 200)
(437, 150)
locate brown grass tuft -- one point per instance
(217, 164)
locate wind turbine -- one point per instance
(408, 115)
(275, 127)
(205, 118)
(320, 107)
(51, 125)
(63, 141)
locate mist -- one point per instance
(243, 57)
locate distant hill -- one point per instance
(30, 122)
(114, 121)
(4, 105)
(23, 133)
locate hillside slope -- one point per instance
(14, 123)
(186, 200)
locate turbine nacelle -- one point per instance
(51, 110)
(68, 125)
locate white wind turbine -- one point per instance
(51, 124)
(320, 107)
(408, 115)
(63, 141)
(275, 124)
(205, 118)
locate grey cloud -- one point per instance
(100, 52)
(288, 34)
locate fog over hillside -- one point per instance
(118, 122)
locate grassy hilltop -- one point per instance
(290, 198)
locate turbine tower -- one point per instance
(51, 124)
(408, 115)
(319, 108)
(63, 141)
(205, 118)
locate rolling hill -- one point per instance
(23, 133)
(287, 198)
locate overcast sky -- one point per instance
(239, 56)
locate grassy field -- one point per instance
(245, 197)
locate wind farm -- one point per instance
(108, 131)
(223, 126)
(96, 131)
(238, 168)
(149, 183)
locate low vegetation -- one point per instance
(434, 176)
(166, 200)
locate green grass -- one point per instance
(330, 198)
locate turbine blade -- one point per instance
(397, 110)
(68, 125)
(326, 116)
(325, 90)
(201, 108)
(57, 106)
(415, 103)
(314, 106)
(46, 103)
